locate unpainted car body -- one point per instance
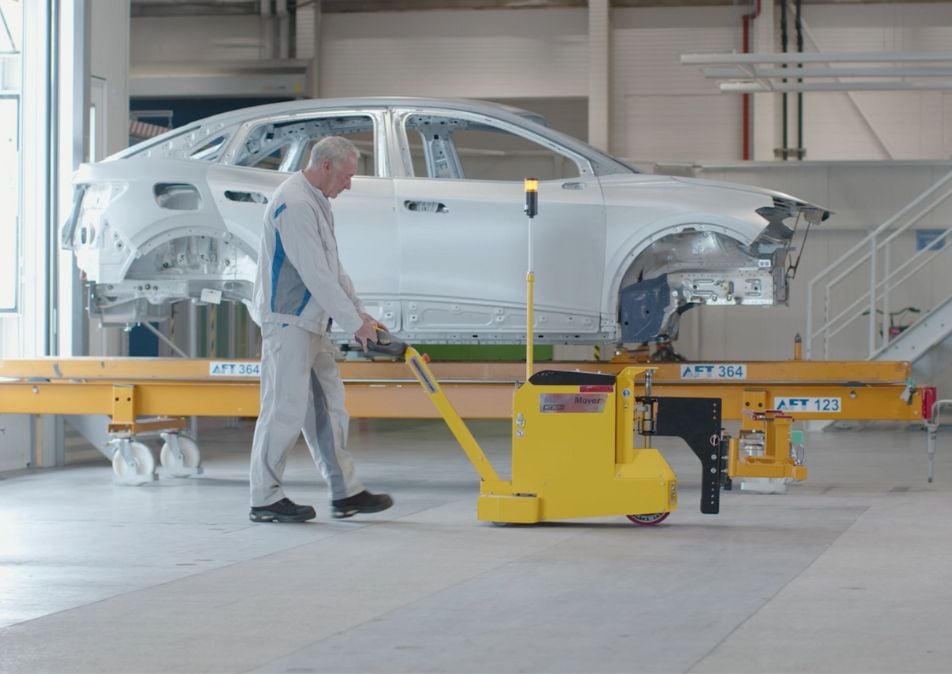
(432, 231)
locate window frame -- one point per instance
(402, 115)
(10, 300)
(10, 260)
(240, 137)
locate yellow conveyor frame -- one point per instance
(148, 394)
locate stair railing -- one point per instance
(873, 256)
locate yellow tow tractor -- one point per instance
(574, 452)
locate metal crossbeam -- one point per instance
(799, 71)
(157, 387)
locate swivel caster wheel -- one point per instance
(133, 463)
(180, 456)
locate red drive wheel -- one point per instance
(648, 520)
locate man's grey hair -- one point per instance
(335, 148)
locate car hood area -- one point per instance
(675, 243)
(744, 212)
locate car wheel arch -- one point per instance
(165, 231)
(634, 246)
(168, 254)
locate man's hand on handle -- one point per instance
(367, 331)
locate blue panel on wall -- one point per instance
(933, 239)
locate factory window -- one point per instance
(10, 32)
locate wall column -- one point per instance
(70, 124)
(599, 73)
(314, 67)
(766, 107)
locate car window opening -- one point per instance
(287, 146)
(464, 149)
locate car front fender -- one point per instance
(622, 253)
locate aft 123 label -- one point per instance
(814, 405)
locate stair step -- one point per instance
(914, 342)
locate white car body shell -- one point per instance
(438, 259)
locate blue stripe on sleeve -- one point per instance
(276, 265)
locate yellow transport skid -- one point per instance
(383, 389)
(147, 394)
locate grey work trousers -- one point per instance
(301, 390)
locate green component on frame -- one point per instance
(484, 352)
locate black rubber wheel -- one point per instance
(648, 520)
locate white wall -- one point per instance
(660, 109)
(879, 125)
(482, 54)
(194, 39)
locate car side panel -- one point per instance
(368, 242)
(465, 242)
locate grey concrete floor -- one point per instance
(847, 572)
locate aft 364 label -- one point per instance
(714, 371)
(227, 368)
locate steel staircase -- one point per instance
(927, 344)
(851, 305)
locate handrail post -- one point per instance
(884, 336)
(826, 324)
(872, 295)
(809, 326)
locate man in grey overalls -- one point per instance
(300, 287)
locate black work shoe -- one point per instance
(284, 510)
(364, 502)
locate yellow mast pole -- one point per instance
(531, 209)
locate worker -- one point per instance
(300, 288)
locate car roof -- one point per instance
(467, 105)
(605, 163)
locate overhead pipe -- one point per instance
(801, 151)
(784, 141)
(746, 20)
